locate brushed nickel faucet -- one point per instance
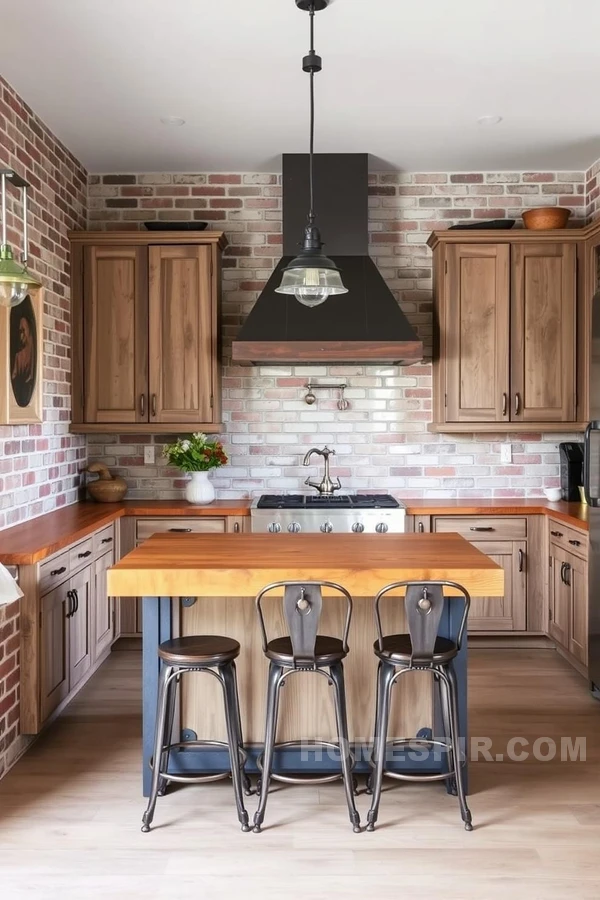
(326, 486)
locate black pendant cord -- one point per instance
(311, 214)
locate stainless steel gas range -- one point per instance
(358, 513)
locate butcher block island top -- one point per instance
(226, 565)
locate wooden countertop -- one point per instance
(572, 513)
(33, 541)
(231, 565)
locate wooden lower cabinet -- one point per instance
(568, 602)
(54, 649)
(103, 618)
(507, 613)
(80, 632)
(496, 536)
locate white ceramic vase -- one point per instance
(199, 489)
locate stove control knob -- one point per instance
(381, 527)
(294, 527)
(327, 527)
(274, 527)
(358, 528)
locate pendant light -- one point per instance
(15, 280)
(311, 277)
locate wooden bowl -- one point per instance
(546, 218)
(106, 489)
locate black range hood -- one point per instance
(366, 325)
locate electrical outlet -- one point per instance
(149, 454)
(506, 453)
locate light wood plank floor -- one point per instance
(70, 811)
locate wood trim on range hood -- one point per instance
(366, 325)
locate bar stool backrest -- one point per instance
(424, 605)
(302, 608)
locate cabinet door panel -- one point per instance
(578, 631)
(115, 334)
(559, 597)
(543, 332)
(102, 618)
(181, 338)
(477, 332)
(80, 651)
(54, 649)
(507, 613)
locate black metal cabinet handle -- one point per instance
(504, 404)
(562, 572)
(83, 555)
(521, 560)
(517, 403)
(142, 404)
(556, 533)
(76, 597)
(421, 528)
(181, 530)
(106, 541)
(153, 404)
(481, 528)
(568, 574)
(70, 599)
(58, 571)
(575, 543)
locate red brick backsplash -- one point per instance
(39, 464)
(382, 441)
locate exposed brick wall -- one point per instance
(9, 682)
(39, 463)
(592, 190)
(382, 441)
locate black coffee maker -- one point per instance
(571, 469)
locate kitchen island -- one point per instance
(205, 583)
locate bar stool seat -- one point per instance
(397, 648)
(328, 651)
(199, 650)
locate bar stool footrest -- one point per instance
(305, 779)
(420, 743)
(199, 779)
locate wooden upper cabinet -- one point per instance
(181, 332)
(543, 332)
(146, 349)
(509, 331)
(476, 332)
(115, 316)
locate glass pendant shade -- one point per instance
(311, 286)
(15, 280)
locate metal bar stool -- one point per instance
(201, 653)
(304, 650)
(420, 649)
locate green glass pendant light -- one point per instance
(15, 280)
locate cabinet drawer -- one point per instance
(104, 540)
(81, 554)
(483, 528)
(200, 525)
(568, 538)
(54, 571)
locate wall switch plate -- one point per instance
(149, 454)
(506, 453)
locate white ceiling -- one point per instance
(404, 80)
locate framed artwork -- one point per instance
(21, 362)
